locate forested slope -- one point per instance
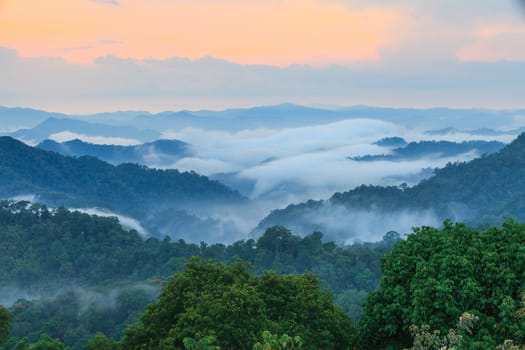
(126, 189)
(87, 274)
(482, 191)
(160, 153)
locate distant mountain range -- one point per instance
(481, 192)
(127, 189)
(160, 153)
(146, 127)
(53, 127)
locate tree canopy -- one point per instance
(437, 274)
(235, 306)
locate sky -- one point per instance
(85, 56)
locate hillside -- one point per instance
(158, 153)
(87, 182)
(53, 126)
(482, 191)
(72, 275)
(435, 149)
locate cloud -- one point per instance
(495, 42)
(78, 48)
(311, 162)
(348, 226)
(110, 42)
(109, 2)
(64, 136)
(114, 83)
(125, 221)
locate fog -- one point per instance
(126, 221)
(346, 226)
(99, 140)
(311, 162)
(275, 167)
(86, 298)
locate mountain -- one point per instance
(285, 115)
(289, 115)
(127, 189)
(439, 149)
(17, 118)
(160, 153)
(479, 131)
(53, 126)
(481, 192)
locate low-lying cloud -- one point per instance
(311, 162)
(125, 221)
(64, 136)
(350, 225)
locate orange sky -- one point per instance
(277, 32)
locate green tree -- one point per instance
(435, 274)
(274, 342)
(235, 306)
(101, 342)
(205, 343)
(4, 323)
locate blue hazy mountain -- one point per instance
(128, 189)
(479, 131)
(160, 153)
(483, 191)
(54, 126)
(291, 115)
(437, 120)
(434, 149)
(391, 142)
(17, 118)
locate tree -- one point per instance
(205, 343)
(235, 306)
(101, 342)
(4, 323)
(274, 342)
(436, 274)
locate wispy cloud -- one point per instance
(113, 83)
(109, 2)
(307, 162)
(110, 42)
(100, 140)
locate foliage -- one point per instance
(4, 323)
(101, 342)
(76, 315)
(425, 339)
(45, 342)
(233, 305)
(437, 273)
(205, 343)
(88, 182)
(274, 342)
(51, 253)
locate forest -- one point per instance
(85, 274)
(70, 280)
(481, 192)
(102, 287)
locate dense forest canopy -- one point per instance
(67, 264)
(150, 196)
(88, 182)
(235, 306)
(436, 275)
(89, 275)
